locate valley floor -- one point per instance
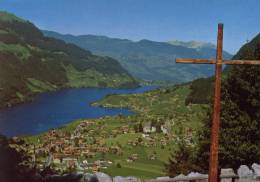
(137, 145)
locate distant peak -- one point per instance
(192, 44)
(9, 17)
(145, 40)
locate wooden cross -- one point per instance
(213, 161)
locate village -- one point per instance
(120, 145)
(84, 147)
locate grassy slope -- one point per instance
(160, 103)
(31, 63)
(93, 78)
(166, 105)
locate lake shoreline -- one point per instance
(66, 111)
(119, 138)
(93, 104)
(31, 96)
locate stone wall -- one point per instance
(245, 174)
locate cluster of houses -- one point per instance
(64, 150)
(149, 128)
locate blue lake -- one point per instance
(54, 109)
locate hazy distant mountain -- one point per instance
(208, 50)
(31, 63)
(193, 44)
(147, 59)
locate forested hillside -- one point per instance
(240, 108)
(239, 126)
(31, 63)
(202, 89)
(148, 60)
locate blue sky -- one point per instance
(158, 20)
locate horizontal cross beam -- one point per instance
(196, 61)
(252, 62)
(212, 61)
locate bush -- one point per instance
(118, 165)
(180, 162)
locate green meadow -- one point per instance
(164, 105)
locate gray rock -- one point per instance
(227, 171)
(163, 178)
(180, 176)
(102, 177)
(256, 168)
(196, 174)
(244, 172)
(126, 179)
(87, 177)
(247, 180)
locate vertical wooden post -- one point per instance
(213, 163)
(233, 179)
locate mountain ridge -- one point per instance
(31, 63)
(193, 44)
(146, 59)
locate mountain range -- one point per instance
(149, 60)
(31, 63)
(34, 61)
(192, 44)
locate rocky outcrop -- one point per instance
(103, 177)
(87, 177)
(244, 172)
(126, 179)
